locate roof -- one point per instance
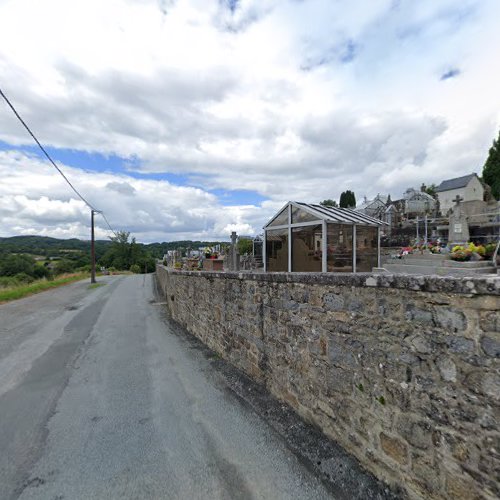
(333, 214)
(456, 183)
(413, 193)
(379, 199)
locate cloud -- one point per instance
(121, 187)
(287, 99)
(34, 199)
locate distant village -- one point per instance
(425, 213)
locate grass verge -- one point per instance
(21, 291)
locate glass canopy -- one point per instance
(313, 238)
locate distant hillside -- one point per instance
(44, 245)
(53, 247)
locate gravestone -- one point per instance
(233, 258)
(458, 233)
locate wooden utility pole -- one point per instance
(92, 248)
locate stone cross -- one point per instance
(458, 233)
(234, 264)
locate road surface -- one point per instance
(99, 399)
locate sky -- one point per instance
(189, 119)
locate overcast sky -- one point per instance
(191, 118)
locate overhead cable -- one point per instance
(109, 225)
(45, 152)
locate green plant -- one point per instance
(461, 255)
(381, 400)
(361, 388)
(24, 278)
(489, 250)
(134, 268)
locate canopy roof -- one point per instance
(329, 214)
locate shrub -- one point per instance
(24, 278)
(461, 255)
(64, 266)
(489, 250)
(134, 268)
(41, 271)
(8, 282)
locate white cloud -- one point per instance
(294, 100)
(34, 199)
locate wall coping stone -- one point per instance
(489, 285)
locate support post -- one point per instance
(92, 248)
(324, 248)
(289, 238)
(264, 250)
(378, 247)
(354, 249)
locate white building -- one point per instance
(373, 208)
(418, 202)
(468, 187)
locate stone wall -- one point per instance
(402, 371)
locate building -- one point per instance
(374, 208)
(467, 187)
(305, 237)
(417, 203)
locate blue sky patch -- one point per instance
(115, 164)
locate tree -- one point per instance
(432, 190)
(328, 203)
(124, 254)
(429, 189)
(14, 264)
(245, 246)
(347, 199)
(491, 168)
(64, 266)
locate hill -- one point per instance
(54, 247)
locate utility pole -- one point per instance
(418, 237)
(425, 225)
(92, 246)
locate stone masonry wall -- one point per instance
(402, 371)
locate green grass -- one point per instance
(21, 291)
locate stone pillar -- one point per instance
(234, 252)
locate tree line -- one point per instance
(24, 259)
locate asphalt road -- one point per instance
(99, 399)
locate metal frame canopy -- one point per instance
(327, 223)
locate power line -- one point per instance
(53, 163)
(109, 225)
(45, 152)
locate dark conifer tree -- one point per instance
(491, 169)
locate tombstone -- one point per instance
(233, 256)
(458, 232)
